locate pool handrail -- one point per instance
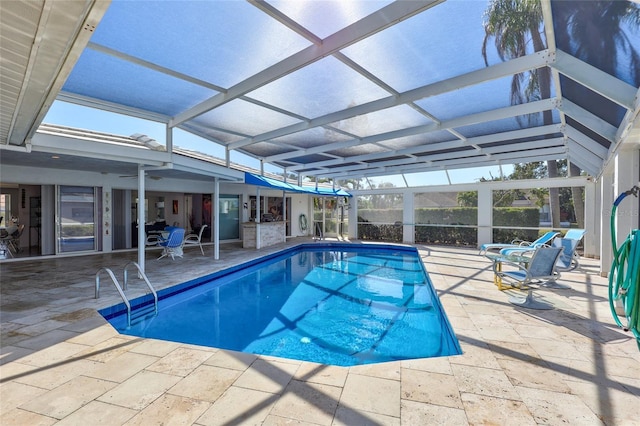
(115, 282)
(121, 291)
(142, 275)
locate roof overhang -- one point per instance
(42, 40)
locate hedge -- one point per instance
(447, 216)
(78, 230)
(515, 217)
(380, 225)
(368, 231)
(450, 235)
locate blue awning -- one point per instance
(328, 192)
(253, 179)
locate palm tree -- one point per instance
(593, 32)
(512, 23)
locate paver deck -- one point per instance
(62, 363)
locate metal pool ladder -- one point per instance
(142, 311)
(318, 234)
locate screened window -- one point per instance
(380, 217)
(446, 217)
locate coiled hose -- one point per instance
(624, 277)
(302, 222)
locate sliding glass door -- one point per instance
(76, 219)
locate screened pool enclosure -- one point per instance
(364, 95)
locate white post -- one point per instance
(258, 245)
(353, 217)
(142, 236)
(169, 139)
(216, 218)
(606, 201)
(592, 220)
(284, 208)
(107, 231)
(485, 214)
(408, 218)
(284, 215)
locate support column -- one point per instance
(107, 223)
(626, 174)
(142, 236)
(627, 170)
(216, 218)
(408, 218)
(606, 201)
(592, 220)
(284, 213)
(353, 217)
(258, 217)
(485, 215)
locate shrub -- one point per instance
(380, 225)
(449, 235)
(373, 232)
(447, 216)
(78, 230)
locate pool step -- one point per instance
(140, 314)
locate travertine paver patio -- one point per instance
(63, 364)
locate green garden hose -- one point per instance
(624, 277)
(302, 222)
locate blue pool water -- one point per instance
(338, 304)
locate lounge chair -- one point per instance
(569, 259)
(543, 240)
(542, 268)
(577, 235)
(173, 243)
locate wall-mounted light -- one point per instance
(245, 205)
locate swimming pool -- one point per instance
(330, 303)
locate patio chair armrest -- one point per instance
(153, 240)
(504, 263)
(520, 250)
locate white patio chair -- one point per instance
(195, 239)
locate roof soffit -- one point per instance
(63, 30)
